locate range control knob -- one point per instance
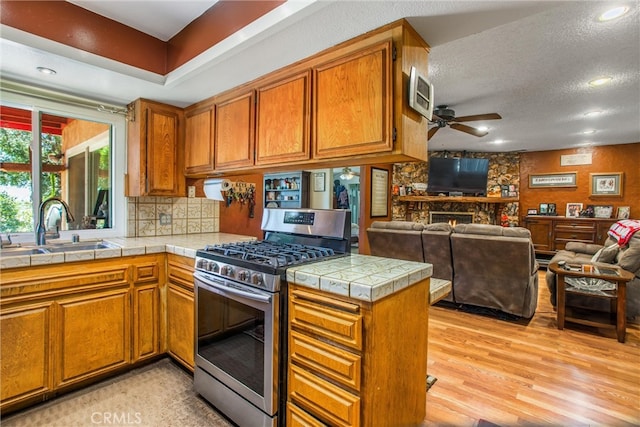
(256, 279)
(226, 270)
(201, 263)
(212, 266)
(243, 275)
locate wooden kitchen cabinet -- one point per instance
(180, 310)
(345, 356)
(71, 323)
(235, 130)
(155, 150)
(353, 104)
(147, 280)
(94, 335)
(283, 120)
(25, 354)
(199, 141)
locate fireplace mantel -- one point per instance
(458, 199)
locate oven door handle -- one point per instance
(226, 289)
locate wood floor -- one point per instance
(530, 373)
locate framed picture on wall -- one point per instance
(606, 184)
(573, 210)
(380, 192)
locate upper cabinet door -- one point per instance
(163, 174)
(353, 104)
(154, 150)
(283, 120)
(235, 130)
(199, 141)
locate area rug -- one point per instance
(159, 394)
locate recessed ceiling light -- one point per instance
(613, 13)
(589, 131)
(593, 113)
(45, 70)
(600, 81)
(483, 128)
(498, 141)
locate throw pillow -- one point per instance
(606, 254)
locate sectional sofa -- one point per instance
(489, 266)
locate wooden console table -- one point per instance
(551, 233)
(618, 297)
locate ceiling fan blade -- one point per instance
(490, 116)
(468, 129)
(432, 132)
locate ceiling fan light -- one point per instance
(483, 128)
(589, 131)
(593, 113)
(347, 174)
(498, 141)
(614, 13)
(600, 81)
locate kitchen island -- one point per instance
(358, 342)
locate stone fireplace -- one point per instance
(452, 218)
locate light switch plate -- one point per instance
(191, 191)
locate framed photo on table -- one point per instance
(623, 212)
(573, 210)
(606, 184)
(603, 211)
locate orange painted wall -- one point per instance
(610, 158)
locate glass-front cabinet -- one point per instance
(286, 190)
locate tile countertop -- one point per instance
(362, 277)
(183, 244)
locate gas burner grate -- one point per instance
(270, 253)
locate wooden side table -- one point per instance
(618, 297)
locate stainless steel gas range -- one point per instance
(241, 310)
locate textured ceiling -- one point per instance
(529, 61)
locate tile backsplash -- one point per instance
(163, 216)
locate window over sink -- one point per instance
(72, 150)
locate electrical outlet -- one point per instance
(191, 191)
(165, 219)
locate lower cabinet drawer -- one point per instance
(335, 324)
(297, 417)
(334, 363)
(584, 236)
(328, 402)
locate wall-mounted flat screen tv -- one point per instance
(458, 175)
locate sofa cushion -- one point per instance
(583, 248)
(483, 229)
(397, 225)
(438, 226)
(606, 254)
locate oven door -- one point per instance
(237, 334)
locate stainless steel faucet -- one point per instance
(41, 230)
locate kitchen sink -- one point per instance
(77, 246)
(56, 247)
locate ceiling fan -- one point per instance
(443, 116)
